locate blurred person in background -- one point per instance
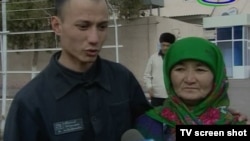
(153, 74)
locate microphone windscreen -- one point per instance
(132, 135)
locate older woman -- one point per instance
(196, 81)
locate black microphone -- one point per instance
(133, 135)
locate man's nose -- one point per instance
(93, 36)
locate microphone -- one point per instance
(133, 135)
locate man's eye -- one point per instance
(83, 26)
(103, 27)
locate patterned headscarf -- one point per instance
(214, 108)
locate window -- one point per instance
(238, 32)
(238, 53)
(224, 33)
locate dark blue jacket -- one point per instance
(62, 105)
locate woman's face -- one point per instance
(192, 81)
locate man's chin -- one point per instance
(89, 59)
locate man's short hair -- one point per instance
(58, 7)
(167, 37)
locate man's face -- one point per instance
(82, 30)
(164, 47)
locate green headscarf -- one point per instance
(214, 108)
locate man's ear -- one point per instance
(56, 25)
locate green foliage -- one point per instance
(128, 8)
(29, 15)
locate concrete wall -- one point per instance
(22, 61)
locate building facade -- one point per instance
(227, 26)
(232, 35)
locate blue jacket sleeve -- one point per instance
(20, 125)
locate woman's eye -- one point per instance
(202, 69)
(178, 69)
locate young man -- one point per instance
(153, 75)
(78, 96)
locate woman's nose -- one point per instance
(190, 76)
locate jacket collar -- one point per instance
(64, 80)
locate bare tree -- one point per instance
(128, 9)
(25, 18)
